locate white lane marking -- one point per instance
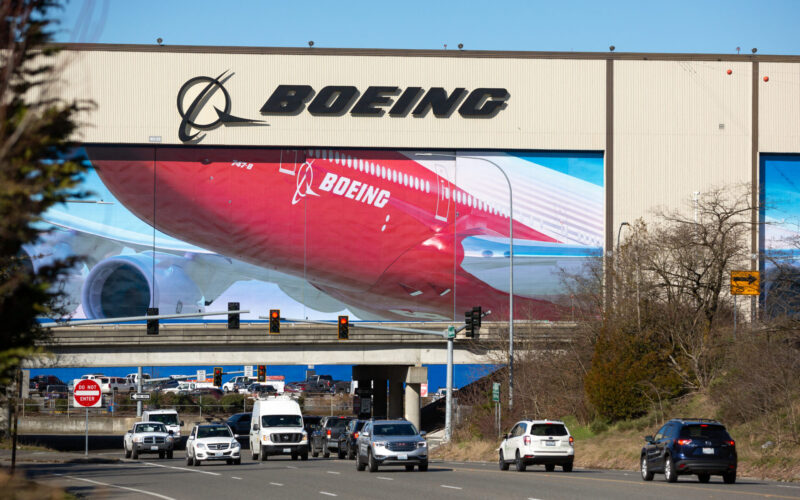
(276, 484)
(385, 478)
(783, 486)
(333, 472)
(144, 492)
(184, 468)
(451, 487)
(329, 494)
(234, 477)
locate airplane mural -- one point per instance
(386, 235)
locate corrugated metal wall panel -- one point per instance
(680, 127)
(554, 104)
(779, 108)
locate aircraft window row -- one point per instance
(373, 169)
(465, 199)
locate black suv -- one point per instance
(690, 446)
(347, 439)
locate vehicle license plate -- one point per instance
(402, 456)
(154, 447)
(287, 450)
(549, 443)
(708, 451)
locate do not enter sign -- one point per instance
(87, 394)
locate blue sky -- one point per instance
(696, 26)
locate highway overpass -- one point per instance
(297, 344)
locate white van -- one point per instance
(167, 417)
(276, 428)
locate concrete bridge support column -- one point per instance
(379, 397)
(415, 376)
(395, 398)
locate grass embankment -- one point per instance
(618, 446)
(18, 488)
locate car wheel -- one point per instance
(519, 464)
(238, 461)
(195, 461)
(229, 462)
(423, 467)
(326, 453)
(704, 478)
(135, 454)
(409, 468)
(340, 452)
(253, 454)
(373, 464)
(729, 477)
(359, 465)
(502, 462)
(170, 454)
(162, 454)
(669, 470)
(314, 452)
(294, 456)
(304, 455)
(350, 453)
(188, 458)
(262, 454)
(646, 474)
(127, 452)
(549, 467)
(567, 467)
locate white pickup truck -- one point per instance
(148, 437)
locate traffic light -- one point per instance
(470, 330)
(262, 373)
(476, 318)
(218, 376)
(274, 321)
(152, 324)
(233, 319)
(344, 328)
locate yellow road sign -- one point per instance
(745, 282)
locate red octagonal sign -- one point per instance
(87, 393)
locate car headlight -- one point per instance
(422, 444)
(201, 445)
(235, 444)
(380, 443)
(138, 439)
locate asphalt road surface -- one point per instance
(282, 478)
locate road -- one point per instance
(281, 478)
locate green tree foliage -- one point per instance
(36, 127)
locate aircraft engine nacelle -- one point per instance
(49, 249)
(126, 285)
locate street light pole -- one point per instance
(510, 269)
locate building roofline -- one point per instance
(476, 54)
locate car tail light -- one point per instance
(571, 441)
(526, 440)
(329, 433)
(355, 435)
(732, 442)
(683, 441)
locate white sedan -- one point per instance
(212, 442)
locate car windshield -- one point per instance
(165, 418)
(705, 431)
(214, 431)
(548, 430)
(281, 421)
(150, 428)
(394, 430)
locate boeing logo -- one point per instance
(190, 114)
(304, 179)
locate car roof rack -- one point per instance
(694, 419)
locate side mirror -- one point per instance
(255, 427)
(508, 436)
(181, 423)
(649, 439)
(365, 434)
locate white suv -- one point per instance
(531, 442)
(212, 442)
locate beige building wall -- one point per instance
(554, 104)
(680, 127)
(779, 107)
